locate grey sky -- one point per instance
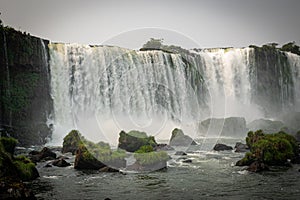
(202, 23)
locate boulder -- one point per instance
(269, 150)
(71, 142)
(180, 153)
(222, 147)
(187, 161)
(179, 139)
(266, 125)
(13, 171)
(85, 160)
(44, 154)
(229, 127)
(134, 140)
(60, 163)
(257, 166)
(240, 147)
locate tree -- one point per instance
(291, 47)
(154, 43)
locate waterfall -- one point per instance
(8, 94)
(294, 61)
(103, 89)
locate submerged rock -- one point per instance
(134, 140)
(180, 153)
(222, 147)
(179, 139)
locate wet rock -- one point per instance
(71, 142)
(163, 147)
(240, 147)
(187, 161)
(257, 166)
(222, 147)
(108, 169)
(85, 160)
(134, 140)
(60, 163)
(45, 154)
(179, 139)
(180, 153)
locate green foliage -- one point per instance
(153, 43)
(8, 144)
(151, 157)
(291, 47)
(271, 149)
(145, 149)
(133, 140)
(26, 168)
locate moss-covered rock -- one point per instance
(26, 169)
(134, 140)
(8, 144)
(149, 160)
(179, 139)
(269, 149)
(71, 142)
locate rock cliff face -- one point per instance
(25, 101)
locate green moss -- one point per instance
(145, 149)
(151, 157)
(8, 144)
(270, 149)
(26, 169)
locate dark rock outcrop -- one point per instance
(71, 142)
(179, 139)
(60, 163)
(25, 100)
(240, 147)
(85, 160)
(180, 153)
(222, 147)
(44, 154)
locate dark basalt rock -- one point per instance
(180, 153)
(163, 147)
(71, 142)
(179, 139)
(44, 154)
(85, 160)
(222, 147)
(60, 163)
(187, 161)
(240, 147)
(257, 166)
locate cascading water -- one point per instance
(8, 94)
(101, 89)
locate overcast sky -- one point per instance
(129, 23)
